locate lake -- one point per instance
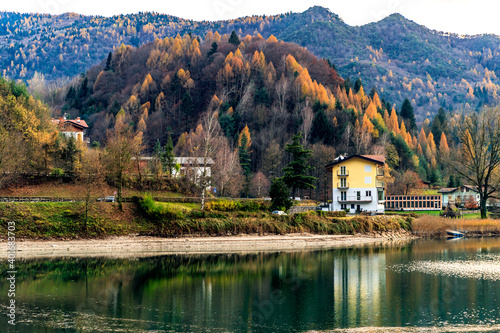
(415, 285)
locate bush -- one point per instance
(280, 195)
(57, 172)
(235, 205)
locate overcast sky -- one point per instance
(457, 16)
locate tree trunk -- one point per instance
(119, 197)
(482, 205)
(203, 198)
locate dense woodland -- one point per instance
(261, 93)
(399, 57)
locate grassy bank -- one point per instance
(147, 217)
(230, 218)
(67, 220)
(435, 226)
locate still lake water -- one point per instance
(415, 285)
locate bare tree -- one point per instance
(282, 89)
(260, 185)
(122, 145)
(478, 157)
(209, 144)
(307, 120)
(227, 171)
(405, 184)
(92, 178)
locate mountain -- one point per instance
(265, 89)
(397, 56)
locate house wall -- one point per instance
(74, 134)
(362, 177)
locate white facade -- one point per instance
(459, 195)
(76, 135)
(366, 199)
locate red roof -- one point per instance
(77, 122)
(80, 123)
(379, 159)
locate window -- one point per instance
(352, 206)
(368, 168)
(343, 182)
(343, 195)
(368, 193)
(343, 170)
(368, 180)
(343, 206)
(380, 195)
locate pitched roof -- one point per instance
(448, 190)
(472, 188)
(379, 159)
(77, 122)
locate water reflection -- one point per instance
(278, 292)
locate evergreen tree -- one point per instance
(357, 85)
(234, 39)
(213, 50)
(451, 181)
(280, 195)
(84, 88)
(245, 160)
(168, 157)
(108, 62)
(321, 129)
(409, 116)
(115, 108)
(187, 108)
(296, 172)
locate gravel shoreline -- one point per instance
(142, 246)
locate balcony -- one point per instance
(380, 184)
(380, 172)
(354, 199)
(341, 186)
(341, 173)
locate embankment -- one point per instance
(48, 221)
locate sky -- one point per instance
(456, 16)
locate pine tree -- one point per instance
(408, 115)
(245, 159)
(168, 157)
(296, 172)
(357, 85)
(321, 129)
(280, 195)
(213, 50)
(108, 62)
(234, 39)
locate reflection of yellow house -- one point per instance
(358, 183)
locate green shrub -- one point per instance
(57, 172)
(236, 205)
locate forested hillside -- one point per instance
(400, 57)
(264, 92)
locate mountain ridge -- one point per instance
(398, 56)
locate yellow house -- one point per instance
(358, 183)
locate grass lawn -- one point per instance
(427, 212)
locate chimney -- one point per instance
(77, 119)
